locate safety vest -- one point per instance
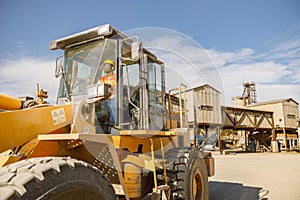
(111, 80)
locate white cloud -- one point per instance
(275, 71)
(222, 58)
(289, 45)
(187, 61)
(180, 46)
(183, 66)
(294, 66)
(278, 91)
(260, 72)
(273, 80)
(19, 77)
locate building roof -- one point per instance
(246, 108)
(272, 102)
(202, 86)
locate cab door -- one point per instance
(156, 94)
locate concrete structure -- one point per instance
(285, 120)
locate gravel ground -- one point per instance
(256, 176)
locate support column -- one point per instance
(195, 134)
(246, 140)
(219, 140)
(275, 147)
(274, 136)
(285, 140)
(233, 138)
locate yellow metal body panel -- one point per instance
(124, 140)
(132, 143)
(9, 103)
(132, 139)
(7, 158)
(210, 166)
(146, 133)
(133, 180)
(20, 126)
(143, 161)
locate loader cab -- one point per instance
(139, 93)
(143, 95)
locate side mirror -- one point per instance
(58, 67)
(135, 50)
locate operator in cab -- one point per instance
(110, 78)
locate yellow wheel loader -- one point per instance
(125, 140)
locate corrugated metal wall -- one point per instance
(205, 101)
(290, 110)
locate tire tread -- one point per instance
(14, 177)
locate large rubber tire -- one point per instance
(54, 178)
(187, 174)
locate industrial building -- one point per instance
(253, 125)
(203, 104)
(285, 113)
(246, 128)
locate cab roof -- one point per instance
(99, 32)
(85, 36)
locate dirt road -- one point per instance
(253, 176)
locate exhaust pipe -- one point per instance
(9, 102)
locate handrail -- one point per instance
(182, 108)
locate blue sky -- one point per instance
(254, 40)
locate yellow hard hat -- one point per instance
(110, 62)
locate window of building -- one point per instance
(291, 116)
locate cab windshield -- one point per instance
(83, 66)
